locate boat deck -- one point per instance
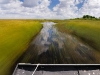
(28, 69)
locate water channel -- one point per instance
(53, 47)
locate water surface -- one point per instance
(53, 47)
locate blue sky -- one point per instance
(80, 4)
(22, 0)
(53, 3)
(49, 9)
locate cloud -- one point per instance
(4, 1)
(91, 8)
(40, 9)
(30, 3)
(78, 1)
(66, 8)
(16, 9)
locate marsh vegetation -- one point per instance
(69, 41)
(86, 30)
(15, 36)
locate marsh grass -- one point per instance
(86, 30)
(15, 36)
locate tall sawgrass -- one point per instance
(15, 36)
(86, 30)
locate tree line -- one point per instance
(86, 17)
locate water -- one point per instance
(53, 47)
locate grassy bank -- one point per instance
(15, 36)
(86, 30)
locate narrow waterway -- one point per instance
(53, 47)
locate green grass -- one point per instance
(15, 36)
(86, 30)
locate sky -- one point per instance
(48, 9)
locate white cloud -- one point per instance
(40, 9)
(12, 5)
(15, 9)
(91, 8)
(66, 8)
(78, 1)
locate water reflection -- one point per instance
(54, 47)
